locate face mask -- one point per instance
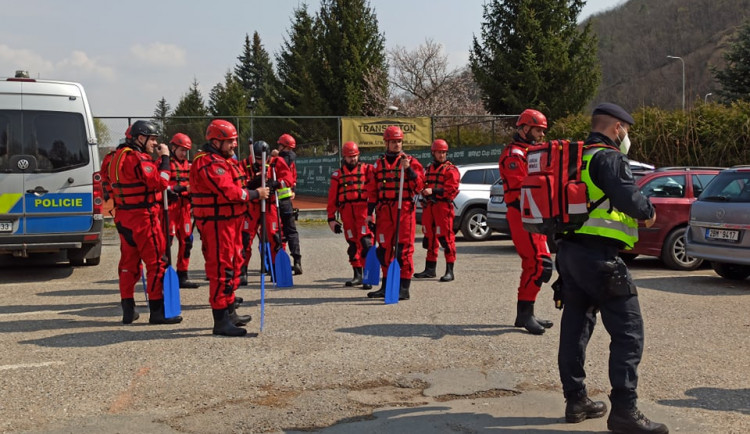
(625, 144)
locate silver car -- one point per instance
(497, 209)
(719, 228)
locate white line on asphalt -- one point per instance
(29, 365)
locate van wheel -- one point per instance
(731, 271)
(474, 225)
(674, 254)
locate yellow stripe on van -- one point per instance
(8, 200)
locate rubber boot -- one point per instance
(542, 322)
(632, 421)
(234, 318)
(403, 290)
(243, 276)
(128, 311)
(297, 267)
(448, 273)
(380, 293)
(157, 313)
(357, 279)
(429, 270)
(525, 318)
(223, 325)
(182, 276)
(579, 408)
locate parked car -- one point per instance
(497, 209)
(471, 202)
(671, 190)
(719, 229)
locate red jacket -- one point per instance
(443, 179)
(135, 180)
(216, 186)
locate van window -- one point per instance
(57, 140)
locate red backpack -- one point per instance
(553, 197)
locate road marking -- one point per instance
(29, 365)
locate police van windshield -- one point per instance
(56, 141)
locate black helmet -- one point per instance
(143, 128)
(260, 147)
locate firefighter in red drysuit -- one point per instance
(384, 201)
(252, 168)
(536, 262)
(137, 184)
(180, 217)
(441, 187)
(219, 202)
(347, 195)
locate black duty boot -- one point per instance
(380, 293)
(297, 267)
(448, 273)
(525, 318)
(182, 276)
(579, 408)
(357, 279)
(542, 322)
(128, 310)
(403, 290)
(157, 314)
(223, 324)
(243, 276)
(429, 270)
(632, 421)
(234, 318)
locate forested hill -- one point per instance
(636, 38)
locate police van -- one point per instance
(50, 186)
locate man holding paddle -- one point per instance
(219, 202)
(395, 226)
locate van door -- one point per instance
(11, 203)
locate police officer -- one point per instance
(219, 203)
(287, 144)
(594, 278)
(347, 195)
(536, 262)
(137, 184)
(441, 187)
(180, 216)
(384, 202)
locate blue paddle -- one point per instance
(172, 307)
(393, 280)
(264, 250)
(371, 274)
(282, 265)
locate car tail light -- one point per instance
(98, 195)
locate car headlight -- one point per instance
(496, 199)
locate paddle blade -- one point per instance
(172, 306)
(393, 283)
(283, 270)
(269, 263)
(262, 299)
(371, 275)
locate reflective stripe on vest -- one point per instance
(602, 221)
(351, 185)
(284, 192)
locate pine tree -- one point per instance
(255, 72)
(351, 47)
(735, 77)
(190, 116)
(532, 54)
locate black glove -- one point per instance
(337, 228)
(254, 183)
(273, 184)
(277, 239)
(179, 189)
(557, 293)
(172, 195)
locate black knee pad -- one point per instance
(188, 246)
(546, 270)
(352, 250)
(381, 254)
(444, 243)
(366, 243)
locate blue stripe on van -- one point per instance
(50, 225)
(59, 203)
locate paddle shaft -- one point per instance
(278, 212)
(166, 228)
(398, 213)
(263, 235)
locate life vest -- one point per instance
(352, 184)
(130, 195)
(387, 179)
(434, 179)
(605, 221)
(208, 205)
(180, 173)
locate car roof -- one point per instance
(464, 167)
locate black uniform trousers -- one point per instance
(586, 273)
(289, 227)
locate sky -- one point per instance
(130, 54)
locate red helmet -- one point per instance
(287, 140)
(350, 149)
(220, 129)
(183, 140)
(393, 132)
(439, 145)
(127, 132)
(532, 118)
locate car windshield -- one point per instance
(728, 186)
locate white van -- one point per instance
(50, 187)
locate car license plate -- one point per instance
(722, 234)
(6, 227)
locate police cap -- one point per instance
(614, 110)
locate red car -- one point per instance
(672, 190)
